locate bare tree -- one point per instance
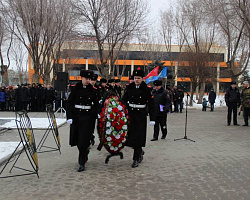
(38, 24)
(19, 56)
(231, 19)
(113, 23)
(197, 38)
(6, 39)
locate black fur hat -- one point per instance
(94, 77)
(86, 73)
(138, 72)
(157, 83)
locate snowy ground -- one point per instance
(37, 123)
(7, 148)
(219, 101)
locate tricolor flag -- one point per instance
(163, 73)
(152, 76)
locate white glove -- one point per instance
(70, 121)
(152, 123)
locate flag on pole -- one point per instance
(152, 76)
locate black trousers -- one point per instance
(83, 155)
(246, 114)
(179, 104)
(232, 107)
(204, 108)
(212, 106)
(137, 153)
(161, 121)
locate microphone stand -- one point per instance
(185, 136)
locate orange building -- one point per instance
(77, 56)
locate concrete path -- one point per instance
(216, 166)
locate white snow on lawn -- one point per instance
(7, 148)
(38, 123)
(219, 101)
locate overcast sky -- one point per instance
(154, 7)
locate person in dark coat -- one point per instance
(118, 86)
(175, 98)
(162, 104)
(50, 95)
(17, 98)
(179, 95)
(112, 87)
(93, 83)
(24, 97)
(7, 98)
(170, 94)
(43, 97)
(33, 97)
(136, 98)
(81, 112)
(245, 98)
(102, 86)
(2, 99)
(232, 98)
(94, 80)
(211, 99)
(12, 98)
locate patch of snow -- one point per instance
(219, 101)
(37, 123)
(7, 148)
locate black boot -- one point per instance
(81, 168)
(154, 139)
(135, 164)
(141, 157)
(245, 125)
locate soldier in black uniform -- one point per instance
(81, 112)
(137, 97)
(232, 98)
(162, 104)
(102, 86)
(118, 86)
(93, 83)
(111, 87)
(94, 80)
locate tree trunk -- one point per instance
(20, 75)
(201, 92)
(35, 78)
(47, 79)
(4, 73)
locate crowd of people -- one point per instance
(83, 100)
(30, 97)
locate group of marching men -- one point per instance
(140, 100)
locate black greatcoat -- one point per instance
(83, 119)
(138, 116)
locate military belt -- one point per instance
(83, 107)
(136, 105)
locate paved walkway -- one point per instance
(216, 166)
